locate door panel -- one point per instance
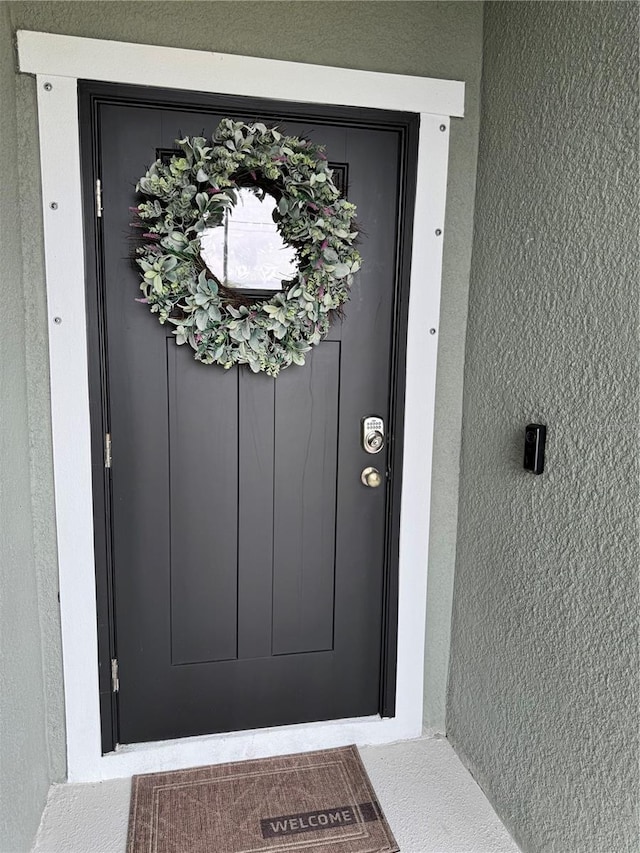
(305, 465)
(249, 563)
(255, 520)
(203, 406)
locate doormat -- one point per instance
(313, 801)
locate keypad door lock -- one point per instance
(372, 434)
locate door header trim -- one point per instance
(120, 62)
(59, 62)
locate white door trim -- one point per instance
(59, 62)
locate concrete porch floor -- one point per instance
(431, 802)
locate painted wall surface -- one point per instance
(426, 39)
(543, 697)
(24, 763)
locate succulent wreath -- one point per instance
(194, 191)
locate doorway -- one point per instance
(59, 63)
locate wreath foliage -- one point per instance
(192, 192)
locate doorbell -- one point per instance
(534, 440)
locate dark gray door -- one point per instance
(250, 571)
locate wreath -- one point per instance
(194, 191)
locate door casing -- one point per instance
(58, 62)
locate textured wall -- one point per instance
(24, 769)
(543, 691)
(427, 39)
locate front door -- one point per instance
(246, 575)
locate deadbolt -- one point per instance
(372, 434)
(371, 477)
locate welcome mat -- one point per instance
(314, 801)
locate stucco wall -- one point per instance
(427, 39)
(543, 692)
(24, 765)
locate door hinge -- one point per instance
(115, 680)
(107, 450)
(98, 198)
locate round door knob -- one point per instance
(371, 477)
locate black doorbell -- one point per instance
(534, 440)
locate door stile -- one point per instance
(397, 386)
(89, 111)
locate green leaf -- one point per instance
(202, 201)
(255, 343)
(236, 335)
(341, 270)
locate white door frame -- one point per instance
(58, 62)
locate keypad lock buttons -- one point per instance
(372, 434)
